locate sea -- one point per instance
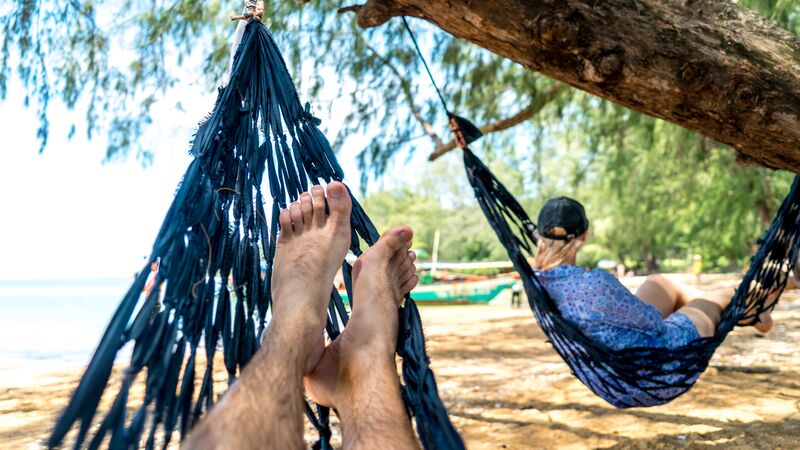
(55, 322)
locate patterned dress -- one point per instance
(605, 310)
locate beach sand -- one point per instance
(505, 388)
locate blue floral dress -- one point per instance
(605, 310)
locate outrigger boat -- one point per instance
(439, 287)
(458, 292)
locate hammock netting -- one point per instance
(217, 228)
(634, 376)
(637, 376)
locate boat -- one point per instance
(438, 286)
(457, 292)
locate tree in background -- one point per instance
(633, 172)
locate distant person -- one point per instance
(356, 374)
(662, 314)
(697, 267)
(516, 294)
(621, 270)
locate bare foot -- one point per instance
(311, 247)
(764, 323)
(366, 348)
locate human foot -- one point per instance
(765, 323)
(365, 350)
(311, 247)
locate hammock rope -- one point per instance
(216, 229)
(635, 376)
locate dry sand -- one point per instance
(505, 388)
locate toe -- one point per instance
(406, 272)
(318, 200)
(339, 203)
(409, 285)
(285, 219)
(399, 258)
(306, 207)
(297, 217)
(398, 238)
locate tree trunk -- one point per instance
(652, 263)
(709, 66)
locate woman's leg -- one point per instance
(703, 309)
(704, 314)
(661, 293)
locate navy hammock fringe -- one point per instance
(636, 376)
(216, 227)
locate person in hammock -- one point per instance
(356, 374)
(662, 313)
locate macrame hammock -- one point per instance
(634, 376)
(216, 227)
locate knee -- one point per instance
(656, 278)
(660, 281)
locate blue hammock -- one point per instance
(217, 228)
(634, 376)
(637, 376)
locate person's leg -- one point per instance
(263, 409)
(703, 309)
(667, 295)
(357, 374)
(661, 293)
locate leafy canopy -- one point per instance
(653, 189)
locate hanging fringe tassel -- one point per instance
(216, 230)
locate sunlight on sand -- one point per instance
(506, 388)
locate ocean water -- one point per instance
(56, 320)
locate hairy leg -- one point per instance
(263, 409)
(357, 374)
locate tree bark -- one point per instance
(709, 66)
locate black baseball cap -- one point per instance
(562, 218)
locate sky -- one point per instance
(68, 215)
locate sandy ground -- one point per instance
(505, 388)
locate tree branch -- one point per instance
(710, 66)
(351, 8)
(535, 105)
(406, 86)
(375, 12)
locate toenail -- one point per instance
(405, 235)
(335, 193)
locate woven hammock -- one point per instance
(637, 376)
(633, 376)
(217, 227)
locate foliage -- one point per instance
(427, 206)
(652, 190)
